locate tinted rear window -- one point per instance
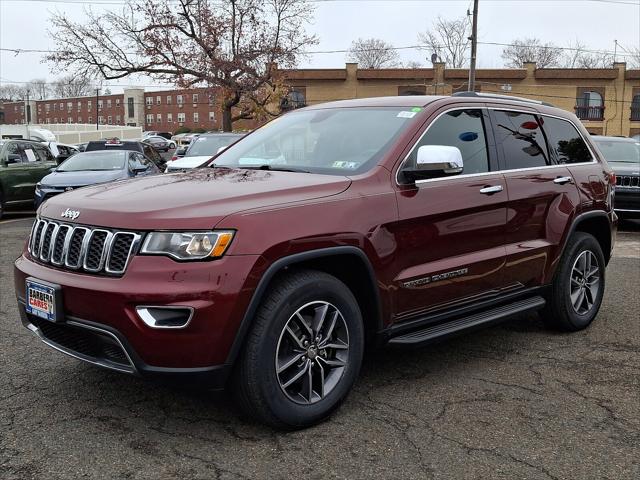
(521, 140)
(617, 151)
(565, 143)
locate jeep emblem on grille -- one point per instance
(72, 214)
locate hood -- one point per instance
(188, 162)
(196, 199)
(625, 168)
(82, 178)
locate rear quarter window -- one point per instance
(566, 145)
(519, 136)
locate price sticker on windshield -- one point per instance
(406, 114)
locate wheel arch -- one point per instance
(598, 224)
(347, 263)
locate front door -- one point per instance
(450, 233)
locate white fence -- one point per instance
(83, 132)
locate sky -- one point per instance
(597, 23)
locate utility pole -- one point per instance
(97, 109)
(26, 116)
(474, 47)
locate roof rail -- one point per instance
(501, 97)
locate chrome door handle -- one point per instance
(491, 190)
(562, 180)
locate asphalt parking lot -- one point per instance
(512, 402)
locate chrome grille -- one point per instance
(630, 181)
(76, 247)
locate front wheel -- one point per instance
(303, 353)
(578, 285)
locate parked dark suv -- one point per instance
(335, 228)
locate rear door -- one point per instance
(542, 195)
(18, 182)
(450, 233)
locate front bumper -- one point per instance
(101, 326)
(627, 201)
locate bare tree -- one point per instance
(449, 39)
(12, 92)
(531, 50)
(373, 53)
(634, 59)
(233, 47)
(39, 89)
(413, 64)
(71, 86)
(579, 56)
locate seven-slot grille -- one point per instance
(76, 247)
(628, 181)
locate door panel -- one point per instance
(451, 242)
(19, 179)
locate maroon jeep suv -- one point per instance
(332, 229)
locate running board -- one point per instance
(464, 323)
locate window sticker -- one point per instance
(416, 109)
(346, 165)
(30, 155)
(406, 114)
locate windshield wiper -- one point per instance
(275, 168)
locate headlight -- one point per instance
(188, 245)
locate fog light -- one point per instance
(165, 317)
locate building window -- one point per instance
(589, 105)
(130, 108)
(55, 120)
(195, 98)
(109, 103)
(100, 104)
(79, 106)
(89, 119)
(79, 119)
(211, 99)
(158, 100)
(181, 117)
(117, 102)
(48, 120)
(169, 118)
(46, 108)
(296, 98)
(69, 120)
(196, 117)
(149, 101)
(109, 120)
(117, 119)
(179, 99)
(169, 98)
(89, 105)
(212, 116)
(149, 118)
(101, 120)
(635, 108)
(61, 106)
(159, 117)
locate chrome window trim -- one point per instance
(134, 244)
(102, 254)
(492, 172)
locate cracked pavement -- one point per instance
(512, 401)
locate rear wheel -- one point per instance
(578, 285)
(303, 353)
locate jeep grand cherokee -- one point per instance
(331, 229)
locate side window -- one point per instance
(463, 129)
(43, 153)
(29, 152)
(565, 143)
(520, 137)
(11, 151)
(137, 160)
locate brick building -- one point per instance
(606, 100)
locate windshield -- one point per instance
(209, 145)
(95, 161)
(616, 151)
(334, 141)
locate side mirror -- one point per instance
(435, 161)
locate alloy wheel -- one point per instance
(584, 282)
(312, 352)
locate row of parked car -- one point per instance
(32, 171)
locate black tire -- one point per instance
(560, 312)
(256, 383)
